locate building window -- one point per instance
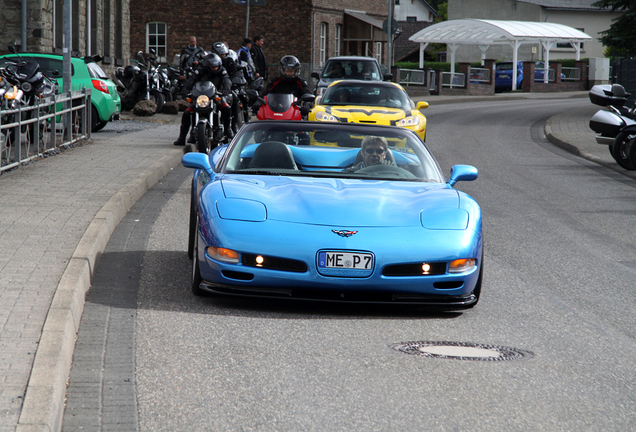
(567, 44)
(92, 43)
(397, 2)
(411, 19)
(338, 40)
(58, 25)
(378, 51)
(107, 18)
(156, 39)
(323, 43)
(119, 34)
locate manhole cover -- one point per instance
(462, 351)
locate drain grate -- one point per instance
(462, 351)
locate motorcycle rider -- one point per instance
(288, 81)
(190, 57)
(210, 69)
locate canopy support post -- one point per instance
(515, 55)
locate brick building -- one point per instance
(312, 30)
(99, 27)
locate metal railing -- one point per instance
(450, 79)
(412, 76)
(570, 74)
(30, 132)
(480, 74)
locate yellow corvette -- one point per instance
(370, 102)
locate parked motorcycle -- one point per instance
(208, 128)
(139, 81)
(615, 126)
(280, 106)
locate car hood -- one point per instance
(350, 202)
(367, 114)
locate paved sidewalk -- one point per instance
(57, 215)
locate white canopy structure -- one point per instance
(485, 33)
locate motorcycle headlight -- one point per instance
(323, 116)
(409, 121)
(203, 101)
(26, 87)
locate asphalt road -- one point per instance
(558, 282)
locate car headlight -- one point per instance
(409, 121)
(462, 265)
(323, 116)
(203, 101)
(26, 87)
(222, 254)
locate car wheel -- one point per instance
(157, 97)
(94, 119)
(196, 274)
(477, 290)
(192, 228)
(619, 150)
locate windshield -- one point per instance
(279, 102)
(331, 151)
(368, 94)
(352, 69)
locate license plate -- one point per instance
(504, 76)
(345, 260)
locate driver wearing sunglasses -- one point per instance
(374, 152)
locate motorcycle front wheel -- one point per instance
(204, 138)
(631, 151)
(620, 150)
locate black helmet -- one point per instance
(221, 49)
(212, 60)
(289, 62)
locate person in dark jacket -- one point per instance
(210, 69)
(259, 57)
(190, 57)
(288, 82)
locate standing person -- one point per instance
(246, 56)
(190, 57)
(259, 57)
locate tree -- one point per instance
(621, 36)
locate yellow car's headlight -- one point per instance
(323, 116)
(203, 101)
(409, 121)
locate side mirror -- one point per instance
(197, 160)
(421, 105)
(308, 97)
(315, 75)
(462, 173)
(387, 77)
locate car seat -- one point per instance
(273, 154)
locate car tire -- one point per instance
(167, 95)
(196, 273)
(619, 150)
(157, 97)
(192, 226)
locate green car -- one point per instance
(85, 73)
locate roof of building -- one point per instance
(564, 4)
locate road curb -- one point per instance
(43, 407)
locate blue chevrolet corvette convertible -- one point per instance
(333, 211)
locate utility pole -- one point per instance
(66, 62)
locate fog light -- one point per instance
(462, 265)
(426, 268)
(222, 254)
(259, 260)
